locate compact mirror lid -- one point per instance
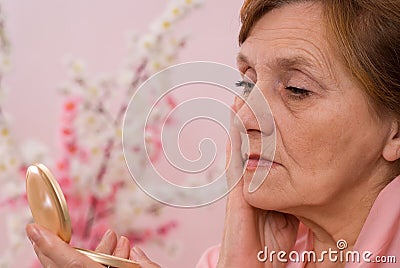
(49, 209)
(47, 202)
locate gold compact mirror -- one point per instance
(49, 209)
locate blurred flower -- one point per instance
(76, 68)
(34, 152)
(16, 225)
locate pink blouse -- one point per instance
(378, 244)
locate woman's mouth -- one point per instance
(253, 162)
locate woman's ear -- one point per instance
(391, 152)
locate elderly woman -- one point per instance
(330, 71)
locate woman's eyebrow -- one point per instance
(241, 58)
(305, 65)
(289, 63)
(282, 63)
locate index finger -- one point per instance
(234, 162)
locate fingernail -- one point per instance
(108, 233)
(122, 241)
(33, 233)
(137, 253)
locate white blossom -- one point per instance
(5, 65)
(16, 223)
(76, 67)
(101, 190)
(34, 152)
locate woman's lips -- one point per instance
(253, 162)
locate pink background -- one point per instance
(43, 32)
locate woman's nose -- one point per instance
(254, 114)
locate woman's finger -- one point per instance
(138, 256)
(234, 164)
(122, 248)
(46, 262)
(108, 243)
(55, 251)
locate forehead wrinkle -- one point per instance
(294, 62)
(289, 29)
(313, 60)
(322, 59)
(313, 57)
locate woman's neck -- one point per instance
(341, 219)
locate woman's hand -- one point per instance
(53, 252)
(248, 230)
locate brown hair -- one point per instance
(367, 34)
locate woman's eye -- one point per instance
(298, 93)
(247, 87)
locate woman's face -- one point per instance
(328, 142)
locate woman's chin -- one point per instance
(258, 179)
(268, 195)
